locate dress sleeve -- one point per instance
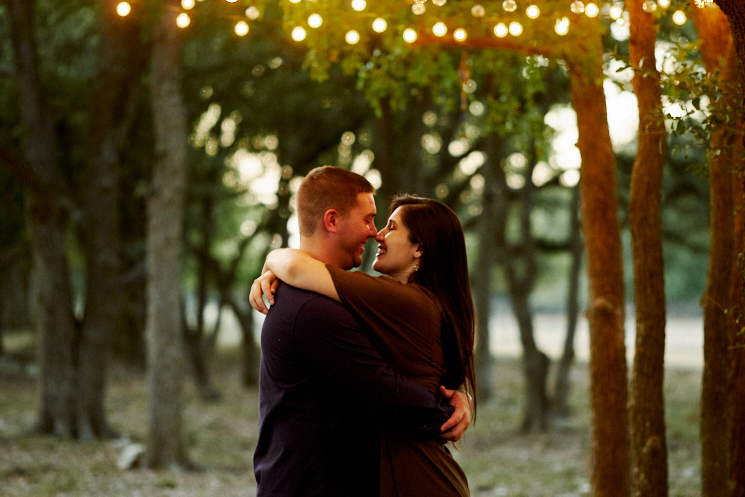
(384, 299)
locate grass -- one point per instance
(221, 437)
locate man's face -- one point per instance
(355, 229)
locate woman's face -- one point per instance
(397, 255)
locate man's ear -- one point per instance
(331, 220)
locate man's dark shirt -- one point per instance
(320, 385)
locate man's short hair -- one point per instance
(325, 188)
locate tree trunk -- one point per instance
(561, 391)
(646, 403)
(599, 207)
(165, 445)
(737, 371)
(716, 42)
(46, 224)
(120, 67)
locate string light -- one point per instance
(615, 12)
(500, 30)
(183, 20)
(516, 29)
(298, 33)
(315, 20)
(509, 5)
(379, 25)
(439, 29)
(352, 37)
(578, 7)
(533, 11)
(231, 1)
(409, 35)
(460, 34)
(701, 4)
(241, 28)
(294, 1)
(591, 10)
(649, 6)
(188, 4)
(123, 9)
(252, 13)
(359, 5)
(663, 3)
(478, 10)
(418, 9)
(562, 26)
(679, 17)
(439, 3)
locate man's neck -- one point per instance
(320, 249)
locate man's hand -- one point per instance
(456, 426)
(266, 285)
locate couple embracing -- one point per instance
(364, 379)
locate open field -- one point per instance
(221, 437)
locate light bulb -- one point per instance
(591, 10)
(533, 11)
(359, 5)
(379, 25)
(418, 9)
(315, 21)
(439, 3)
(615, 12)
(578, 7)
(663, 3)
(649, 6)
(298, 33)
(252, 13)
(509, 5)
(123, 9)
(409, 35)
(188, 4)
(439, 29)
(183, 20)
(679, 17)
(562, 26)
(460, 34)
(352, 37)
(516, 29)
(500, 30)
(241, 28)
(478, 10)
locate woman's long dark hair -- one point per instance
(443, 269)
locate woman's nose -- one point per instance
(379, 236)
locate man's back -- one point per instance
(315, 438)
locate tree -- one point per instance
(47, 217)
(648, 441)
(165, 445)
(717, 52)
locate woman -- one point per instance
(420, 318)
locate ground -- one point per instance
(221, 437)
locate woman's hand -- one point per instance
(265, 285)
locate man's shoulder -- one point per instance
(306, 301)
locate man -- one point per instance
(322, 383)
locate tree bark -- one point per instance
(561, 391)
(165, 445)
(646, 403)
(46, 222)
(737, 368)
(716, 42)
(599, 208)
